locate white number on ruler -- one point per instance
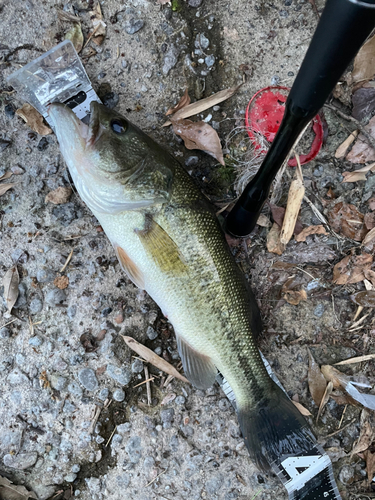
(311, 466)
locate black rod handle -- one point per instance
(343, 27)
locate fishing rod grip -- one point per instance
(343, 27)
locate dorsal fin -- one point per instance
(199, 369)
(128, 266)
(164, 251)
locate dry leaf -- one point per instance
(362, 151)
(351, 269)
(358, 175)
(364, 299)
(6, 175)
(61, 282)
(304, 411)
(168, 398)
(33, 119)
(278, 214)
(370, 275)
(67, 16)
(367, 434)
(325, 398)
(316, 380)
(347, 220)
(263, 221)
(184, 101)
(369, 220)
(368, 240)
(75, 35)
(59, 196)
(10, 282)
(363, 104)
(308, 231)
(153, 358)
(203, 104)
(370, 465)
(10, 491)
(5, 187)
(371, 203)
(294, 297)
(99, 25)
(344, 382)
(343, 148)
(273, 240)
(358, 359)
(295, 197)
(364, 62)
(199, 135)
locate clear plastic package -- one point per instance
(56, 76)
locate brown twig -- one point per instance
(369, 138)
(339, 430)
(148, 386)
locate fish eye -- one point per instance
(118, 126)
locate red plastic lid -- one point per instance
(264, 114)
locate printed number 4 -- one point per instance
(292, 463)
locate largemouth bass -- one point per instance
(169, 243)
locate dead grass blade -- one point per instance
(153, 358)
(273, 240)
(10, 283)
(358, 175)
(6, 175)
(66, 16)
(325, 399)
(343, 148)
(358, 359)
(366, 435)
(203, 104)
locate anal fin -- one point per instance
(199, 369)
(130, 268)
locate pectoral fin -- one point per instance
(130, 268)
(199, 369)
(164, 251)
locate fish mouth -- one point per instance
(66, 121)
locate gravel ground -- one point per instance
(72, 420)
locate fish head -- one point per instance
(114, 165)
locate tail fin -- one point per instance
(274, 428)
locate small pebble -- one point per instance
(35, 306)
(103, 394)
(210, 61)
(201, 41)
(75, 468)
(4, 333)
(158, 351)
(134, 449)
(88, 379)
(170, 59)
(35, 341)
(195, 3)
(9, 111)
(123, 428)
(55, 297)
(133, 25)
(180, 400)
(75, 389)
(71, 311)
(99, 439)
(58, 382)
(191, 161)
(111, 100)
(319, 310)
(167, 415)
(43, 144)
(137, 366)
(151, 333)
(70, 478)
(275, 80)
(45, 275)
(121, 375)
(119, 395)
(21, 461)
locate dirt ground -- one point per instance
(62, 359)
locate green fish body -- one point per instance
(170, 244)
